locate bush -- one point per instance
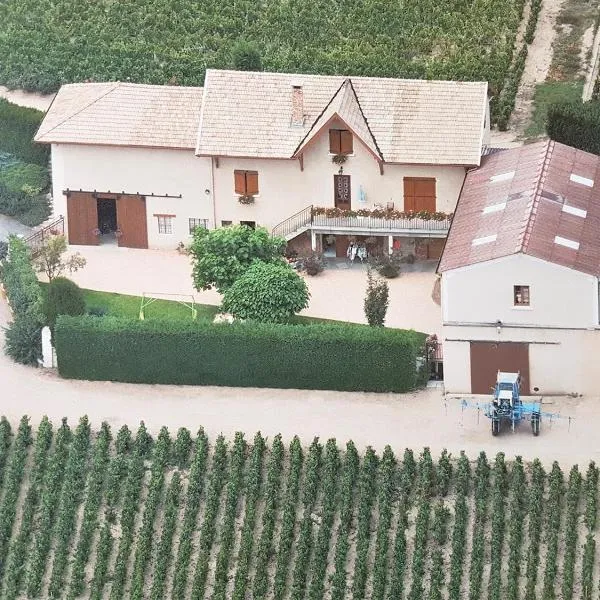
(377, 300)
(267, 292)
(387, 265)
(18, 126)
(316, 356)
(245, 56)
(20, 176)
(313, 264)
(63, 297)
(3, 250)
(29, 207)
(575, 124)
(23, 339)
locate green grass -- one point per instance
(547, 94)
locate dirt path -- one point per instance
(28, 99)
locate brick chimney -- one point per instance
(297, 106)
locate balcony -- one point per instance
(365, 222)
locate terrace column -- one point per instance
(390, 244)
(313, 240)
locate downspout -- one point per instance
(212, 185)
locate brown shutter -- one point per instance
(345, 142)
(240, 182)
(334, 141)
(409, 194)
(251, 183)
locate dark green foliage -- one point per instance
(220, 256)
(3, 250)
(245, 56)
(377, 300)
(29, 206)
(62, 297)
(23, 339)
(575, 124)
(17, 129)
(20, 177)
(181, 448)
(267, 292)
(246, 354)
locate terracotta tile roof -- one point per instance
(413, 121)
(541, 199)
(345, 106)
(123, 114)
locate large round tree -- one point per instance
(220, 256)
(267, 292)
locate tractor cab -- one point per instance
(506, 392)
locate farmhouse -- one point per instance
(520, 273)
(316, 159)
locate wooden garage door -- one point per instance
(82, 218)
(131, 221)
(435, 248)
(487, 358)
(419, 194)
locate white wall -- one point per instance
(560, 361)
(285, 190)
(143, 170)
(483, 293)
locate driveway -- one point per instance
(337, 293)
(10, 226)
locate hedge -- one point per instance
(319, 356)
(18, 126)
(575, 124)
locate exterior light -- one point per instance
(499, 326)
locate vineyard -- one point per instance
(44, 43)
(101, 514)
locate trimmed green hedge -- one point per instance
(575, 124)
(326, 357)
(18, 125)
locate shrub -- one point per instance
(245, 56)
(220, 256)
(387, 265)
(20, 176)
(376, 300)
(313, 264)
(575, 124)
(49, 258)
(3, 250)
(63, 297)
(17, 129)
(267, 292)
(23, 340)
(28, 206)
(243, 354)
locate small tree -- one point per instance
(63, 297)
(376, 300)
(220, 256)
(267, 292)
(246, 57)
(23, 338)
(49, 258)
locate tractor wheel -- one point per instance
(535, 424)
(495, 426)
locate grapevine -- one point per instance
(518, 507)
(572, 501)
(536, 497)
(481, 485)
(440, 533)
(499, 489)
(589, 550)
(444, 473)
(553, 509)
(459, 533)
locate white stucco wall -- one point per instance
(284, 189)
(560, 361)
(143, 170)
(483, 293)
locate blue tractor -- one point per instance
(507, 406)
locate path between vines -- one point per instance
(401, 420)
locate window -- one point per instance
(419, 194)
(165, 223)
(251, 224)
(246, 182)
(340, 141)
(521, 295)
(226, 223)
(198, 223)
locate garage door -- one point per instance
(82, 218)
(487, 358)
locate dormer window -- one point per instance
(340, 141)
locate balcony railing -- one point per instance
(332, 221)
(37, 239)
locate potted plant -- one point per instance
(246, 199)
(339, 159)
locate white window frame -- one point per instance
(165, 224)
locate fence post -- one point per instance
(46, 348)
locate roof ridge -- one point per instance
(365, 119)
(540, 178)
(112, 89)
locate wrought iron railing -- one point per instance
(35, 240)
(311, 218)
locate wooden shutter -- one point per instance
(345, 142)
(409, 194)
(240, 182)
(132, 222)
(82, 218)
(334, 141)
(419, 194)
(251, 183)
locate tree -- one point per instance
(246, 57)
(376, 300)
(575, 124)
(63, 297)
(23, 338)
(220, 256)
(267, 292)
(49, 258)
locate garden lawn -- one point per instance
(547, 94)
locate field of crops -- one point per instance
(121, 515)
(44, 43)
